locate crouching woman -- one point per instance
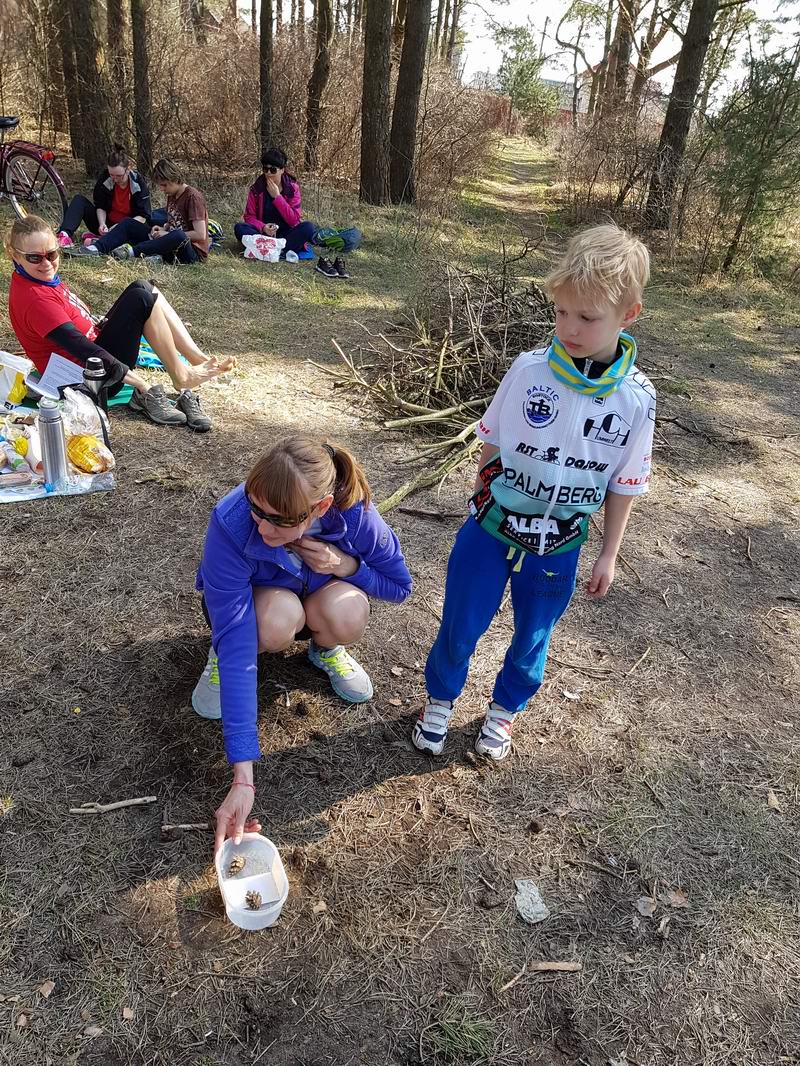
(296, 552)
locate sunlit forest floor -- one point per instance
(653, 790)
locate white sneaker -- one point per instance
(430, 730)
(494, 738)
(348, 678)
(206, 695)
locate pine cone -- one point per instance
(253, 900)
(238, 863)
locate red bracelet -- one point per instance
(246, 784)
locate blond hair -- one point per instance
(25, 227)
(603, 262)
(299, 471)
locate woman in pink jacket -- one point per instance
(273, 205)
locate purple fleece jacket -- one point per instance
(235, 558)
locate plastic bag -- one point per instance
(13, 370)
(267, 249)
(86, 429)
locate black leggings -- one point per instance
(121, 329)
(79, 209)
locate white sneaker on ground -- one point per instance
(348, 678)
(494, 738)
(206, 695)
(430, 730)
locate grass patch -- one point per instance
(461, 1035)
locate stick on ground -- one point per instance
(103, 808)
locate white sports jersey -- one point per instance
(560, 452)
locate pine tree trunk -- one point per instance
(59, 120)
(118, 51)
(451, 44)
(445, 37)
(254, 15)
(93, 102)
(278, 16)
(301, 21)
(399, 29)
(71, 86)
(317, 83)
(438, 32)
(375, 106)
(403, 140)
(142, 109)
(624, 49)
(265, 75)
(678, 119)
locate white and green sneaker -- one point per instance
(206, 696)
(348, 678)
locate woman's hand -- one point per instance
(324, 558)
(602, 577)
(232, 815)
(157, 231)
(102, 229)
(273, 188)
(269, 229)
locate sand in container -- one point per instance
(262, 873)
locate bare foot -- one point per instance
(196, 375)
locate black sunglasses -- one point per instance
(277, 519)
(37, 257)
(272, 170)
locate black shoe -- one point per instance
(340, 267)
(326, 267)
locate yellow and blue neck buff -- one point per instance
(568, 374)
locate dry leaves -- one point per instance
(127, 1014)
(395, 702)
(772, 801)
(92, 1031)
(676, 897)
(646, 906)
(320, 908)
(22, 1021)
(45, 990)
(397, 671)
(571, 695)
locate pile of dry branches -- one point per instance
(440, 370)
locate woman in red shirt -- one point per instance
(48, 318)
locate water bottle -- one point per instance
(94, 375)
(54, 445)
(292, 257)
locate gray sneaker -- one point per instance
(206, 697)
(81, 251)
(155, 405)
(348, 678)
(196, 418)
(124, 251)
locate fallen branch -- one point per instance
(542, 967)
(103, 808)
(640, 660)
(424, 480)
(421, 512)
(181, 827)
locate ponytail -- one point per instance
(299, 471)
(352, 486)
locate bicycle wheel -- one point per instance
(34, 187)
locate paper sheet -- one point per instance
(58, 372)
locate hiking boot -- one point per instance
(430, 730)
(494, 738)
(326, 267)
(64, 239)
(340, 267)
(348, 678)
(206, 696)
(81, 251)
(155, 405)
(125, 251)
(196, 418)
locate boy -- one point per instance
(184, 236)
(569, 429)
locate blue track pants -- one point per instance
(478, 571)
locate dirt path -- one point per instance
(643, 772)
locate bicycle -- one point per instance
(28, 178)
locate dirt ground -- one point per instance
(653, 790)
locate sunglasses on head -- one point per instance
(272, 169)
(37, 257)
(277, 519)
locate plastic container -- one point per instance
(54, 444)
(263, 872)
(292, 257)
